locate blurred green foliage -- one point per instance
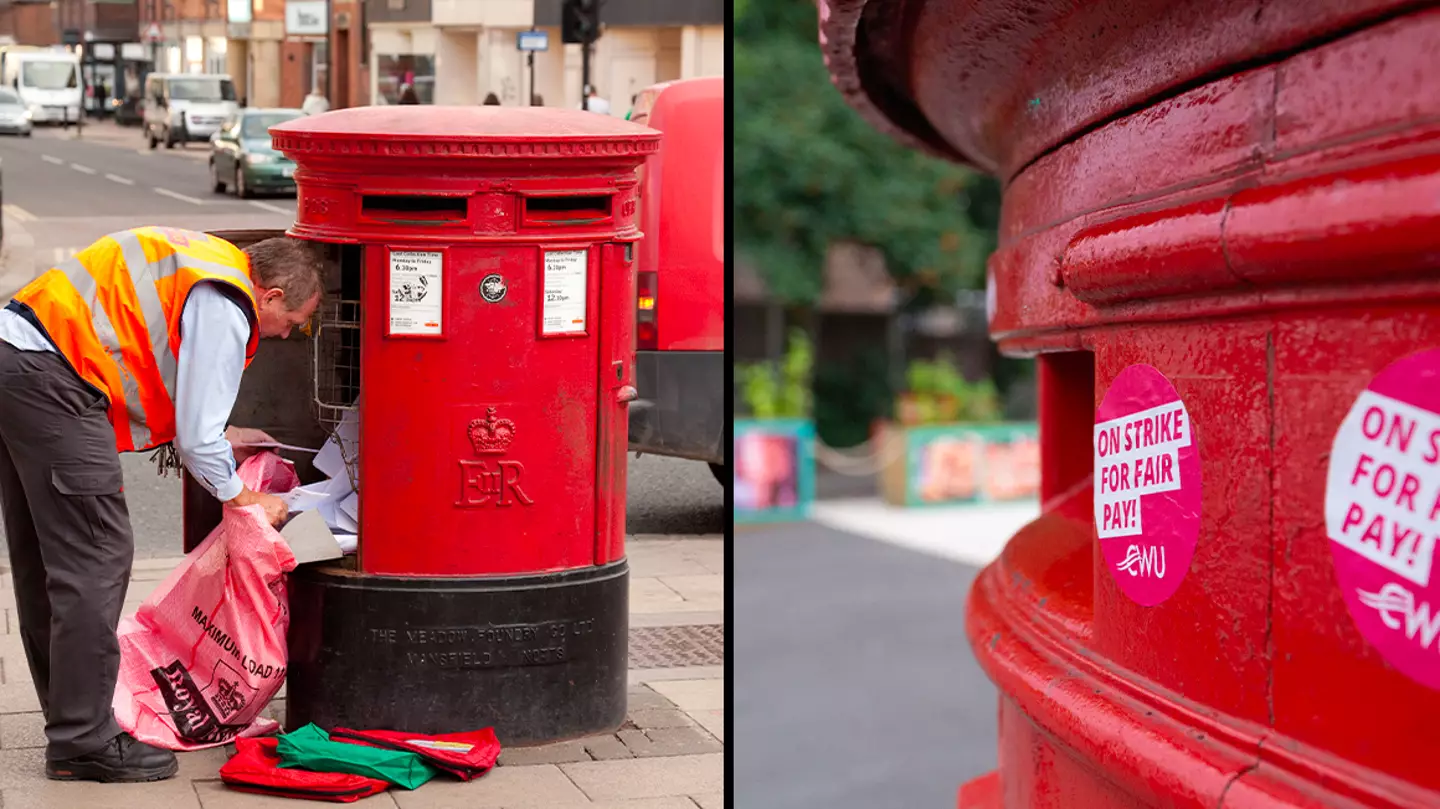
(781, 389)
(809, 172)
(938, 393)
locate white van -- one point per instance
(182, 107)
(47, 81)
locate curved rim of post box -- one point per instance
(438, 133)
(1000, 84)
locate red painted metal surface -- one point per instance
(682, 211)
(491, 447)
(1246, 196)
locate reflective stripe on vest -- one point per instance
(127, 346)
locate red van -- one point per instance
(680, 301)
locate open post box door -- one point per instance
(474, 354)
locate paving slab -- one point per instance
(20, 730)
(708, 588)
(712, 721)
(648, 594)
(693, 695)
(172, 794)
(215, 795)
(639, 676)
(533, 787)
(649, 777)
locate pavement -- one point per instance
(854, 686)
(669, 754)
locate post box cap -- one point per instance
(464, 132)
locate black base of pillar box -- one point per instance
(540, 658)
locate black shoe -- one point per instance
(123, 759)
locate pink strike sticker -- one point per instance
(1147, 485)
(1382, 501)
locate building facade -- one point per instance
(273, 49)
(27, 22)
(267, 47)
(106, 34)
(460, 51)
(348, 73)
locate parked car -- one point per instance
(14, 117)
(180, 108)
(242, 159)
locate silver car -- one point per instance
(14, 117)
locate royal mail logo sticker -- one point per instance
(1147, 485)
(1382, 513)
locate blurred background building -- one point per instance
(358, 52)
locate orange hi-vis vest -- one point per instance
(113, 311)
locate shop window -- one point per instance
(394, 72)
(215, 55)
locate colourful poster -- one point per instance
(774, 470)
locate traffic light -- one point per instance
(580, 21)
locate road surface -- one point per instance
(62, 193)
(854, 687)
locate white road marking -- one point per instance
(121, 180)
(17, 213)
(59, 254)
(265, 206)
(175, 195)
(48, 159)
(82, 169)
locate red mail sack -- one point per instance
(206, 651)
(255, 767)
(464, 755)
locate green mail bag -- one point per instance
(310, 748)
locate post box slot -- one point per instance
(567, 210)
(1066, 382)
(415, 210)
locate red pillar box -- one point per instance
(475, 356)
(1219, 239)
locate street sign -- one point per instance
(532, 41)
(153, 33)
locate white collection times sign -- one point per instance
(416, 293)
(566, 279)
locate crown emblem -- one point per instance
(490, 436)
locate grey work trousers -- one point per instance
(68, 529)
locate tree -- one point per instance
(809, 172)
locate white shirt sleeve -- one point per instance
(214, 333)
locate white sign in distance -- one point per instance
(532, 41)
(566, 277)
(416, 293)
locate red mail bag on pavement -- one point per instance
(206, 651)
(255, 767)
(464, 755)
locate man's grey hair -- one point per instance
(290, 265)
